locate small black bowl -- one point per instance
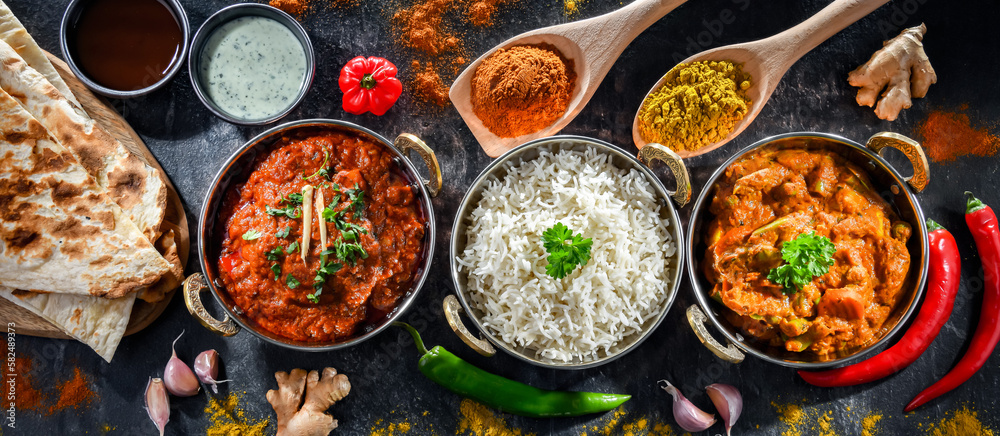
(70, 17)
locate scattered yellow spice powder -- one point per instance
(478, 420)
(869, 424)
(662, 430)
(393, 429)
(229, 419)
(571, 7)
(961, 423)
(792, 415)
(612, 423)
(698, 105)
(825, 425)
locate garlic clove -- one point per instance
(728, 402)
(687, 415)
(206, 366)
(178, 377)
(157, 403)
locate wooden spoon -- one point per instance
(768, 59)
(593, 45)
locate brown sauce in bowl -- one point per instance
(126, 45)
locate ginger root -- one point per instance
(320, 393)
(900, 64)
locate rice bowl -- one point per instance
(599, 310)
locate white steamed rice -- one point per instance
(594, 307)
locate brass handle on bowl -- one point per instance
(913, 151)
(451, 312)
(697, 320)
(193, 287)
(406, 142)
(653, 151)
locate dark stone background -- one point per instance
(191, 144)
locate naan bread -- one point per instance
(130, 182)
(14, 34)
(59, 230)
(98, 322)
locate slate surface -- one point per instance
(191, 144)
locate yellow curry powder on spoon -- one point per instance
(698, 105)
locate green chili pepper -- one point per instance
(462, 378)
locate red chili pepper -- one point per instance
(982, 223)
(942, 285)
(369, 85)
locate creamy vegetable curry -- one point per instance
(771, 196)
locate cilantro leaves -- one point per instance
(807, 256)
(291, 211)
(323, 170)
(566, 251)
(252, 234)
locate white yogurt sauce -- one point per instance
(252, 67)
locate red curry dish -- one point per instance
(772, 196)
(374, 227)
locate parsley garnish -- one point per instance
(326, 269)
(293, 212)
(357, 199)
(274, 253)
(807, 256)
(283, 233)
(349, 251)
(291, 248)
(565, 257)
(350, 231)
(292, 282)
(294, 199)
(277, 270)
(251, 234)
(329, 214)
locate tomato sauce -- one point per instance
(255, 244)
(772, 196)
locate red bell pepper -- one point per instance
(369, 84)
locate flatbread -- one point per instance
(14, 34)
(98, 322)
(59, 230)
(133, 184)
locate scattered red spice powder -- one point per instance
(427, 27)
(950, 135)
(26, 396)
(421, 27)
(292, 7)
(72, 393)
(426, 84)
(481, 12)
